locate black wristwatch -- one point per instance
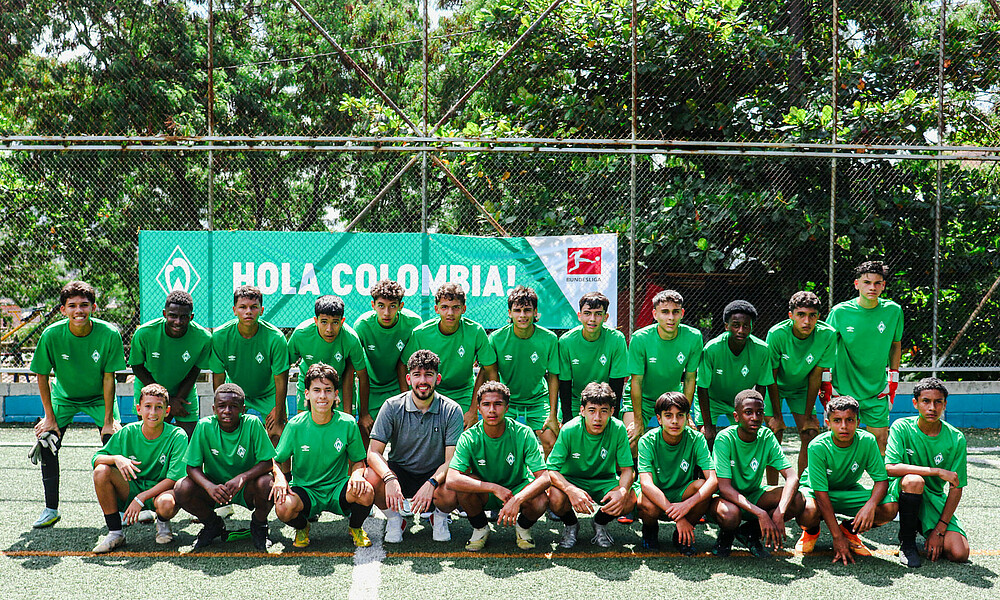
(433, 482)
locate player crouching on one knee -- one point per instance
(669, 458)
(229, 461)
(328, 463)
(924, 453)
(831, 483)
(591, 468)
(742, 451)
(137, 469)
(497, 466)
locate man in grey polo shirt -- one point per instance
(422, 427)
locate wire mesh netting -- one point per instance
(541, 146)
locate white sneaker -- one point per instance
(478, 539)
(394, 527)
(439, 524)
(225, 511)
(110, 542)
(146, 516)
(163, 533)
(523, 537)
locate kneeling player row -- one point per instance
(496, 465)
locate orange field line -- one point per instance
(439, 555)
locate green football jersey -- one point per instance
(744, 462)
(725, 374)
(663, 363)
(305, 344)
(581, 455)
(673, 466)
(322, 453)
(524, 363)
(79, 363)
(582, 362)
(834, 468)
(169, 360)
(221, 455)
(794, 359)
(383, 346)
(508, 460)
(251, 363)
(947, 450)
(864, 337)
(159, 459)
(458, 353)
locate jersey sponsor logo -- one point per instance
(583, 261)
(745, 371)
(259, 357)
(576, 455)
(508, 357)
(754, 464)
(938, 458)
(304, 448)
(132, 457)
(829, 471)
(371, 347)
(338, 445)
(718, 371)
(652, 360)
(178, 273)
(881, 326)
(810, 359)
(241, 451)
(603, 360)
(854, 467)
(680, 357)
(604, 453)
(156, 355)
(232, 358)
(96, 356)
(399, 346)
(186, 356)
(65, 356)
(481, 462)
(785, 356)
(575, 361)
(685, 465)
(214, 451)
(461, 351)
(510, 458)
(909, 451)
(309, 356)
(850, 329)
(534, 357)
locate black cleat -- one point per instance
(909, 556)
(258, 533)
(724, 545)
(749, 536)
(685, 549)
(651, 545)
(208, 533)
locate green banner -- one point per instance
(292, 269)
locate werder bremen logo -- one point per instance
(534, 357)
(186, 356)
(744, 370)
(96, 356)
(259, 357)
(178, 273)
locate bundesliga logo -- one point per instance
(583, 261)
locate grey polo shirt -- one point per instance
(417, 439)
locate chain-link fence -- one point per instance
(739, 150)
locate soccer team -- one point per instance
(534, 430)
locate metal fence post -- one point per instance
(937, 200)
(833, 161)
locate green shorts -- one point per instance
(648, 411)
(676, 494)
(874, 412)
(531, 415)
(595, 488)
(193, 409)
(325, 499)
(930, 508)
(846, 502)
(263, 406)
(796, 406)
(494, 503)
(753, 496)
(136, 487)
(66, 409)
(719, 409)
(240, 499)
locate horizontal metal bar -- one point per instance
(946, 369)
(500, 150)
(489, 141)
